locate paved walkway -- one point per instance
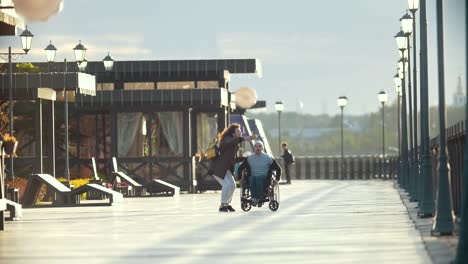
(442, 249)
(317, 222)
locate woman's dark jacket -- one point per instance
(225, 161)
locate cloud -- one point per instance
(274, 48)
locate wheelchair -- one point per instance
(271, 193)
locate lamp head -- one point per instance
(80, 52)
(108, 62)
(26, 39)
(413, 5)
(279, 106)
(397, 82)
(383, 96)
(401, 40)
(50, 50)
(407, 24)
(342, 101)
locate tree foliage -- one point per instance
(362, 134)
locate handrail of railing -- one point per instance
(455, 148)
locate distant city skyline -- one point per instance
(310, 52)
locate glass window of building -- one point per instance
(207, 84)
(139, 86)
(175, 85)
(104, 86)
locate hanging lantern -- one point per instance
(246, 97)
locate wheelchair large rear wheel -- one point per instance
(275, 196)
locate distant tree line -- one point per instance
(362, 133)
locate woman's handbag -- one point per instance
(213, 150)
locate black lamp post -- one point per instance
(342, 102)
(413, 6)
(402, 41)
(462, 248)
(397, 82)
(51, 51)
(279, 107)
(427, 204)
(80, 52)
(443, 221)
(407, 27)
(26, 39)
(383, 99)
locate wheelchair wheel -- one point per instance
(275, 194)
(246, 206)
(274, 205)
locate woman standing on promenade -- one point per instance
(222, 167)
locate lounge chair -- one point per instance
(63, 196)
(124, 183)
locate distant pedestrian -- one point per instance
(288, 159)
(222, 167)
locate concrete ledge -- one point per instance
(3, 205)
(15, 209)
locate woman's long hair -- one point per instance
(228, 131)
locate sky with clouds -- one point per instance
(311, 51)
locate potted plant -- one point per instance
(9, 144)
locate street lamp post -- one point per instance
(462, 248)
(427, 205)
(51, 51)
(279, 107)
(401, 41)
(407, 27)
(383, 99)
(342, 101)
(413, 6)
(397, 82)
(108, 66)
(80, 52)
(26, 39)
(443, 221)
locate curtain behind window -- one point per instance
(171, 126)
(128, 124)
(207, 127)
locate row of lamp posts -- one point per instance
(80, 52)
(80, 58)
(415, 168)
(26, 40)
(342, 102)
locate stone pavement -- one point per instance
(317, 222)
(442, 250)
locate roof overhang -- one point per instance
(171, 68)
(9, 20)
(29, 86)
(154, 99)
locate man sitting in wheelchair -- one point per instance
(256, 172)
